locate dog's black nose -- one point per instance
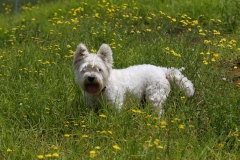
(91, 79)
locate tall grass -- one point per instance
(42, 113)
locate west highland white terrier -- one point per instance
(97, 79)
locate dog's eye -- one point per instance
(99, 69)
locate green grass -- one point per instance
(42, 113)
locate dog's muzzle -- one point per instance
(91, 85)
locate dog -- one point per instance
(97, 79)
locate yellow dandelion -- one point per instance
(48, 155)
(235, 67)
(92, 153)
(235, 134)
(55, 154)
(206, 41)
(202, 34)
(54, 147)
(9, 150)
(181, 126)
(220, 144)
(102, 115)
(215, 55)
(150, 145)
(213, 60)
(40, 156)
(205, 62)
(103, 132)
(93, 50)
(160, 147)
(215, 32)
(97, 147)
(67, 135)
(223, 40)
(156, 141)
(84, 136)
(116, 147)
(163, 123)
(148, 30)
(191, 126)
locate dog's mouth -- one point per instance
(92, 88)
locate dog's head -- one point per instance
(92, 69)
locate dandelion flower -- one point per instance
(116, 147)
(9, 150)
(213, 60)
(92, 153)
(156, 141)
(148, 30)
(235, 134)
(40, 156)
(84, 136)
(102, 115)
(181, 126)
(54, 147)
(48, 155)
(220, 144)
(97, 147)
(215, 32)
(55, 154)
(67, 135)
(160, 147)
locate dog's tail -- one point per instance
(174, 75)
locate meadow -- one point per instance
(42, 113)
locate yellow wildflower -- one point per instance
(67, 135)
(84, 136)
(181, 126)
(55, 154)
(160, 147)
(40, 156)
(116, 147)
(92, 153)
(48, 155)
(9, 150)
(102, 115)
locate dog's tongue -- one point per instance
(92, 88)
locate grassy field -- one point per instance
(42, 114)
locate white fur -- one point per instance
(97, 79)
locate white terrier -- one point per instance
(97, 79)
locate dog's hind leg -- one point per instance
(157, 95)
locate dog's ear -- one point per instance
(105, 53)
(80, 53)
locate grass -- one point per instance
(42, 114)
